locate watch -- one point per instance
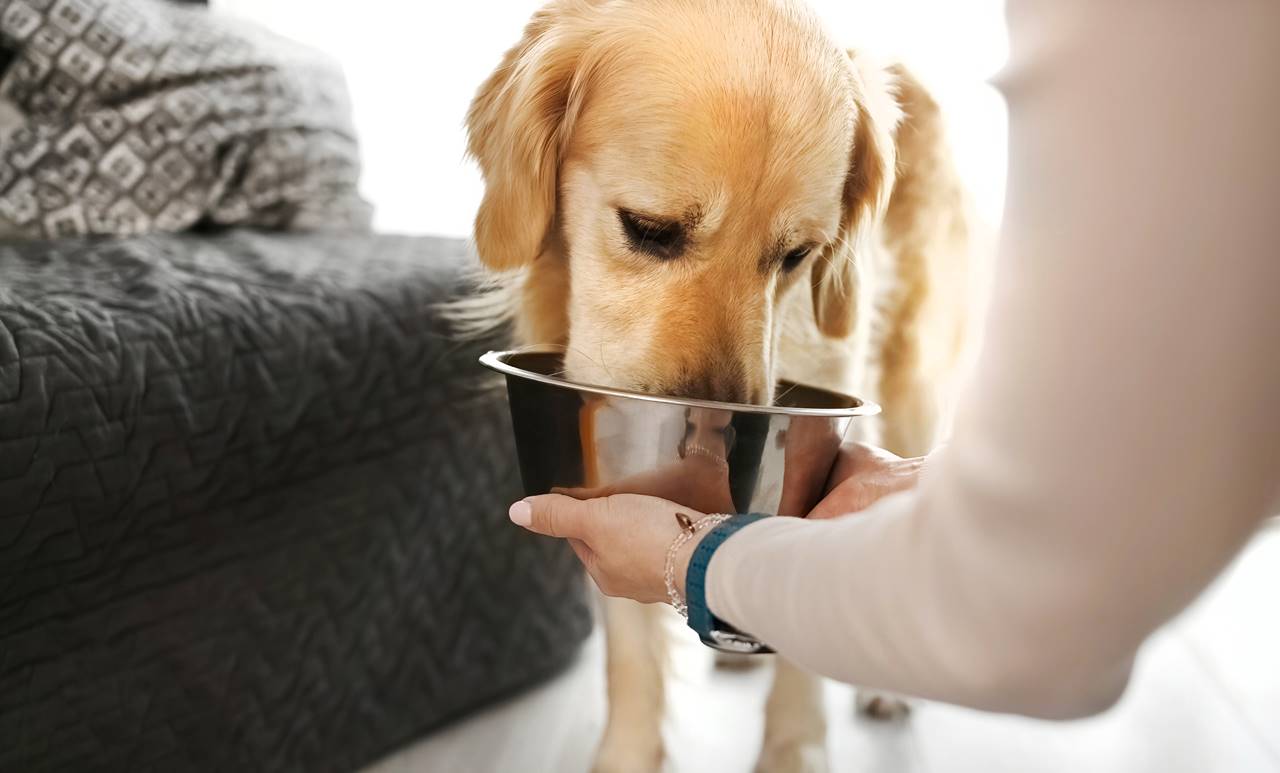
(713, 631)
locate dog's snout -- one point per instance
(724, 381)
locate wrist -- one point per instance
(682, 558)
(711, 630)
(679, 554)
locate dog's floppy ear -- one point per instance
(517, 126)
(867, 187)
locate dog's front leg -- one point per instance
(636, 653)
(795, 725)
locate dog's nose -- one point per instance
(722, 381)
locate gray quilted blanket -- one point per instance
(252, 507)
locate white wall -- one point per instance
(413, 67)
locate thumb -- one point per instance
(554, 515)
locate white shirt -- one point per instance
(1120, 439)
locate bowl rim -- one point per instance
(495, 360)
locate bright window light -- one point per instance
(413, 68)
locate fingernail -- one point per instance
(521, 513)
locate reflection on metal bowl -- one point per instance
(713, 457)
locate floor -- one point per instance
(1205, 698)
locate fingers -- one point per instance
(583, 493)
(835, 505)
(857, 458)
(554, 515)
(581, 550)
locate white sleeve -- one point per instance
(1120, 439)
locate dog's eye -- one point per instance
(794, 258)
(662, 240)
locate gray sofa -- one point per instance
(252, 507)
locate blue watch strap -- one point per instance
(695, 580)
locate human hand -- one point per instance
(700, 480)
(812, 448)
(863, 474)
(622, 539)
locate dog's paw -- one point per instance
(733, 661)
(628, 755)
(879, 706)
(793, 757)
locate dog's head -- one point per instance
(665, 171)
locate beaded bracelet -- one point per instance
(688, 529)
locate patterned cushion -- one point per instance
(142, 116)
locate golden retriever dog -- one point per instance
(699, 197)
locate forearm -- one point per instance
(1000, 610)
(1120, 439)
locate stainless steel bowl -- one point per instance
(713, 457)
